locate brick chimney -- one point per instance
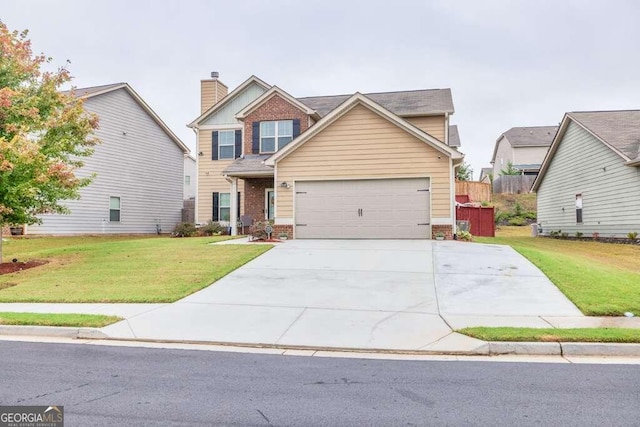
(211, 91)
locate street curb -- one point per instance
(53, 331)
(492, 348)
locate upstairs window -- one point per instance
(226, 144)
(275, 134)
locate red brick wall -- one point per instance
(447, 230)
(277, 229)
(276, 108)
(254, 197)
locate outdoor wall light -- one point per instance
(285, 184)
(200, 153)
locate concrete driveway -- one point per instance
(366, 294)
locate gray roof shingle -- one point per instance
(250, 164)
(80, 92)
(404, 103)
(454, 136)
(535, 136)
(620, 129)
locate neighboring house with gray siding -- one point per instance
(138, 167)
(190, 173)
(589, 181)
(524, 147)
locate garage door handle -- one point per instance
(359, 212)
(423, 223)
(301, 225)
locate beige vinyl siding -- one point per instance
(362, 144)
(210, 178)
(529, 155)
(610, 190)
(136, 161)
(433, 125)
(211, 91)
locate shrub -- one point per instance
(633, 236)
(579, 235)
(485, 204)
(212, 229)
(564, 235)
(465, 236)
(518, 209)
(555, 234)
(518, 221)
(258, 230)
(530, 215)
(184, 229)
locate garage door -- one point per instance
(363, 209)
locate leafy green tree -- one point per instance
(464, 172)
(510, 170)
(44, 133)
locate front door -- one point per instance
(270, 204)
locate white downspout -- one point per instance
(233, 204)
(197, 156)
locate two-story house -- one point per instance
(378, 165)
(523, 147)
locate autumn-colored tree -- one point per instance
(43, 134)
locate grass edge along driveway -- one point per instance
(123, 269)
(57, 319)
(601, 279)
(608, 335)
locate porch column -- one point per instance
(233, 217)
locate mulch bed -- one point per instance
(265, 241)
(12, 267)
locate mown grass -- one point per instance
(119, 268)
(602, 279)
(58, 319)
(610, 335)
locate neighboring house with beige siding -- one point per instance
(377, 165)
(589, 181)
(138, 168)
(523, 147)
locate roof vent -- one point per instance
(215, 74)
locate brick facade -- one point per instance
(447, 230)
(254, 194)
(276, 108)
(278, 229)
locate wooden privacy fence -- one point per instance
(189, 210)
(477, 191)
(481, 220)
(513, 184)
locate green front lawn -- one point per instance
(619, 335)
(119, 268)
(602, 279)
(58, 319)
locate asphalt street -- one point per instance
(107, 386)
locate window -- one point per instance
(275, 135)
(579, 208)
(224, 213)
(187, 180)
(226, 143)
(114, 209)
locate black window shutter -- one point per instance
(238, 143)
(296, 128)
(238, 205)
(255, 138)
(216, 205)
(214, 145)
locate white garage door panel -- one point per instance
(363, 209)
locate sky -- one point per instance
(508, 63)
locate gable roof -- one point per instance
(90, 92)
(618, 130)
(530, 136)
(346, 106)
(454, 136)
(485, 172)
(402, 103)
(224, 101)
(275, 90)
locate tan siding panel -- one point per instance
(433, 125)
(362, 144)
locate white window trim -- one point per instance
(276, 136)
(119, 208)
(233, 144)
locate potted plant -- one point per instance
(283, 236)
(439, 235)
